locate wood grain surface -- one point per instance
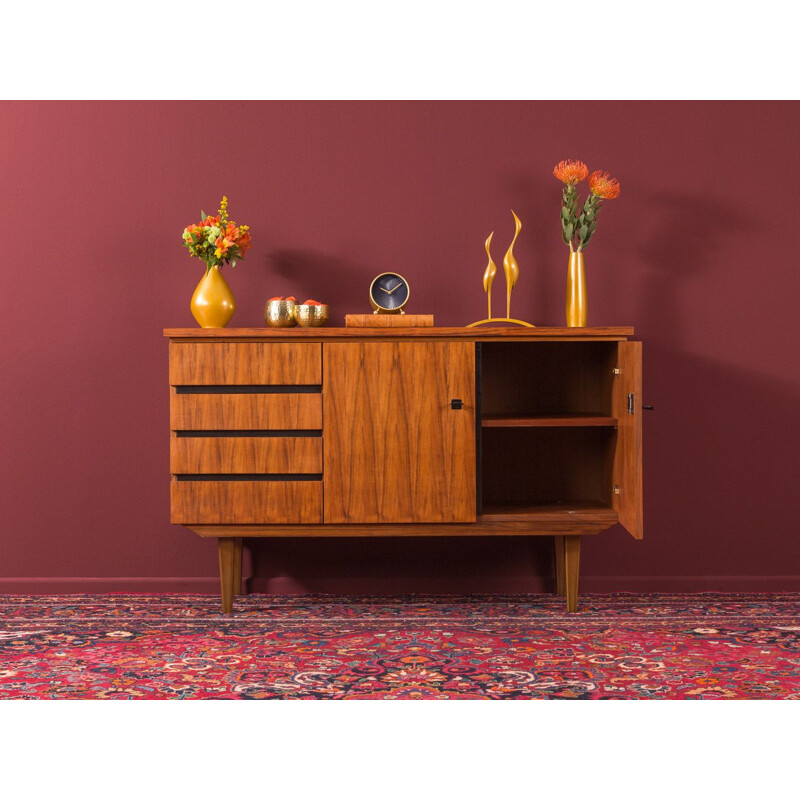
(395, 451)
(226, 549)
(246, 502)
(388, 320)
(231, 363)
(468, 334)
(549, 421)
(574, 514)
(627, 470)
(572, 562)
(234, 412)
(477, 528)
(245, 454)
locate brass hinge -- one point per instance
(630, 402)
(616, 371)
(616, 489)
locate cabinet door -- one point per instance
(627, 472)
(394, 448)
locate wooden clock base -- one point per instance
(388, 320)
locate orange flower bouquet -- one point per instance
(217, 240)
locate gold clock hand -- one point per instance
(396, 287)
(384, 290)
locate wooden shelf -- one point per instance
(557, 512)
(547, 421)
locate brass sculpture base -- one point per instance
(500, 319)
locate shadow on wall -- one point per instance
(720, 460)
(681, 244)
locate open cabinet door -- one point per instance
(627, 408)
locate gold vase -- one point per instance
(576, 292)
(212, 302)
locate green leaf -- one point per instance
(568, 230)
(233, 262)
(583, 232)
(203, 216)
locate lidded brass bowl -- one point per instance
(280, 313)
(312, 316)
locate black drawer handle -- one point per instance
(456, 404)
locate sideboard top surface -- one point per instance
(468, 334)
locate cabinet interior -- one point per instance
(547, 432)
(547, 378)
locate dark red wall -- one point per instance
(698, 253)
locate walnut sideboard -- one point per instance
(405, 432)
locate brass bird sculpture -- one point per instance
(510, 266)
(489, 274)
(511, 269)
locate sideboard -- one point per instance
(405, 432)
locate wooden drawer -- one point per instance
(238, 412)
(245, 454)
(243, 363)
(246, 502)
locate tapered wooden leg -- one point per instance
(237, 566)
(572, 560)
(227, 550)
(558, 547)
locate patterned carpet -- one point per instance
(622, 646)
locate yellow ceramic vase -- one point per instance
(212, 302)
(576, 292)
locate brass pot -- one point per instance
(280, 313)
(312, 316)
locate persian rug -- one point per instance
(620, 646)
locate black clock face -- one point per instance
(389, 291)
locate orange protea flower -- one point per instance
(571, 172)
(603, 185)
